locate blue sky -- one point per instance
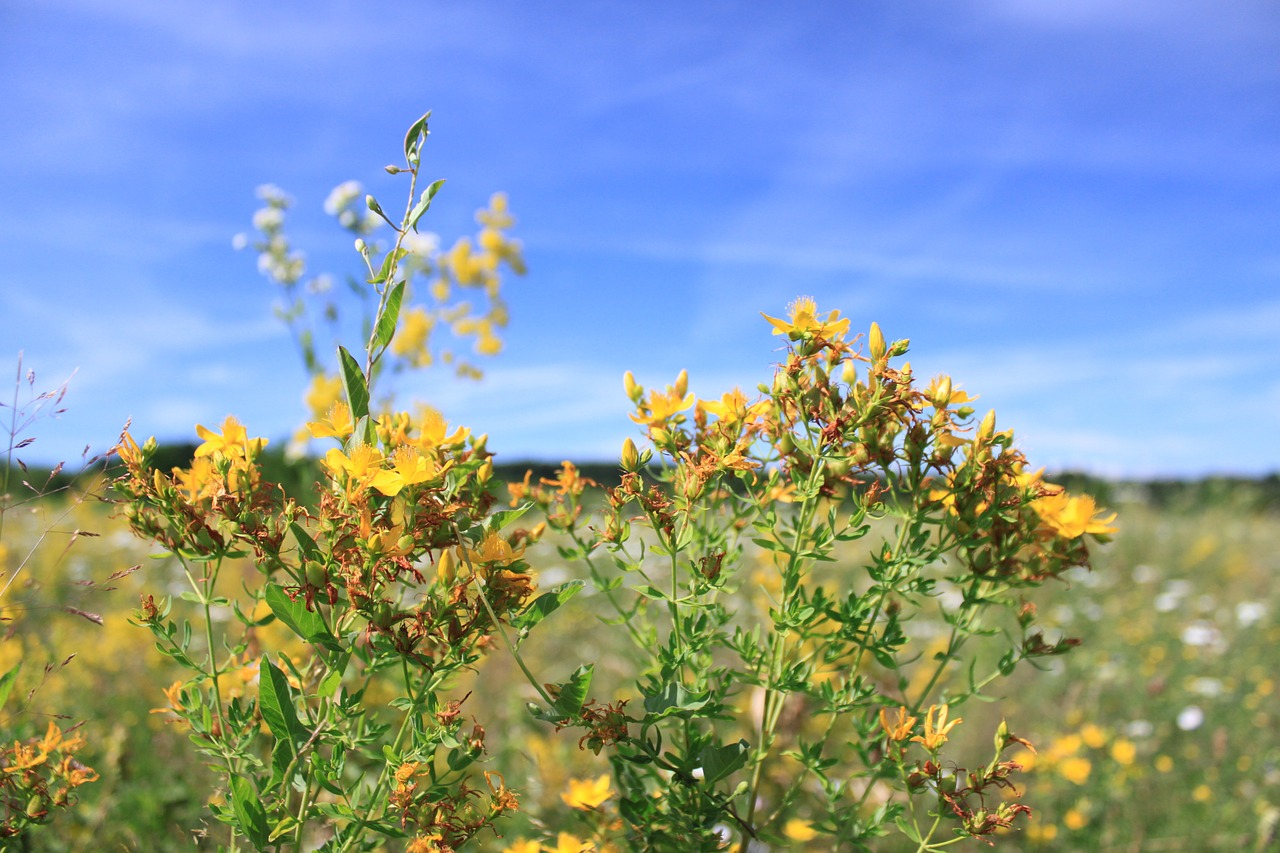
(1072, 207)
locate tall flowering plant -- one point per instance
(778, 564)
(775, 561)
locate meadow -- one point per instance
(1159, 732)
(843, 613)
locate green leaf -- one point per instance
(719, 761)
(275, 700)
(424, 203)
(546, 604)
(501, 519)
(250, 815)
(307, 624)
(7, 682)
(573, 692)
(353, 382)
(413, 138)
(386, 325)
(674, 698)
(306, 544)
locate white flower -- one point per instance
(272, 193)
(1144, 574)
(1201, 634)
(341, 196)
(1249, 612)
(1209, 687)
(268, 218)
(239, 241)
(1190, 718)
(1139, 729)
(423, 245)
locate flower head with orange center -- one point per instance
(936, 727)
(802, 321)
(587, 794)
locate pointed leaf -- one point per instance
(501, 519)
(250, 815)
(412, 143)
(719, 761)
(546, 604)
(275, 700)
(572, 693)
(424, 203)
(7, 682)
(673, 699)
(353, 382)
(387, 320)
(307, 624)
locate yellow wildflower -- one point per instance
(1072, 516)
(1075, 819)
(363, 468)
(569, 843)
(1123, 752)
(935, 732)
(197, 482)
(1075, 769)
(1093, 736)
(1202, 793)
(799, 830)
(494, 550)
(336, 424)
(803, 321)
(523, 846)
(233, 442)
(322, 393)
(662, 405)
(899, 729)
(434, 430)
(587, 794)
(408, 468)
(410, 341)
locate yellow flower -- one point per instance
(1075, 769)
(1164, 763)
(1123, 751)
(434, 430)
(899, 729)
(662, 405)
(587, 794)
(197, 482)
(799, 830)
(568, 843)
(1075, 819)
(1093, 736)
(803, 321)
(336, 424)
(1072, 516)
(234, 442)
(1202, 793)
(408, 468)
(494, 550)
(935, 733)
(363, 469)
(523, 846)
(410, 341)
(322, 393)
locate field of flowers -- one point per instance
(841, 613)
(1159, 732)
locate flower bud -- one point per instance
(849, 373)
(634, 391)
(392, 170)
(682, 383)
(875, 342)
(630, 456)
(485, 472)
(987, 428)
(446, 566)
(900, 347)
